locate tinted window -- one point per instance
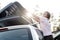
(18, 34)
(40, 34)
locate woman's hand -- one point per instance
(36, 18)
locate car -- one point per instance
(56, 35)
(20, 32)
(14, 24)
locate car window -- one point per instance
(19, 34)
(40, 34)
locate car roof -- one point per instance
(19, 26)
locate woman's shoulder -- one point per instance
(42, 17)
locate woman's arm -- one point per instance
(36, 18)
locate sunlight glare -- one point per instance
(28, 14)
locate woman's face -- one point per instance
(45, 14)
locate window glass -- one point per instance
(20, 34)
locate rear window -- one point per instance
(18, 34)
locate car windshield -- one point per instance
(18, 34)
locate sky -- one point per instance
(53, 6)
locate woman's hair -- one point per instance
(48, 14)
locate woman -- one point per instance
(45, 25)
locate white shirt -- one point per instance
(45, 26)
